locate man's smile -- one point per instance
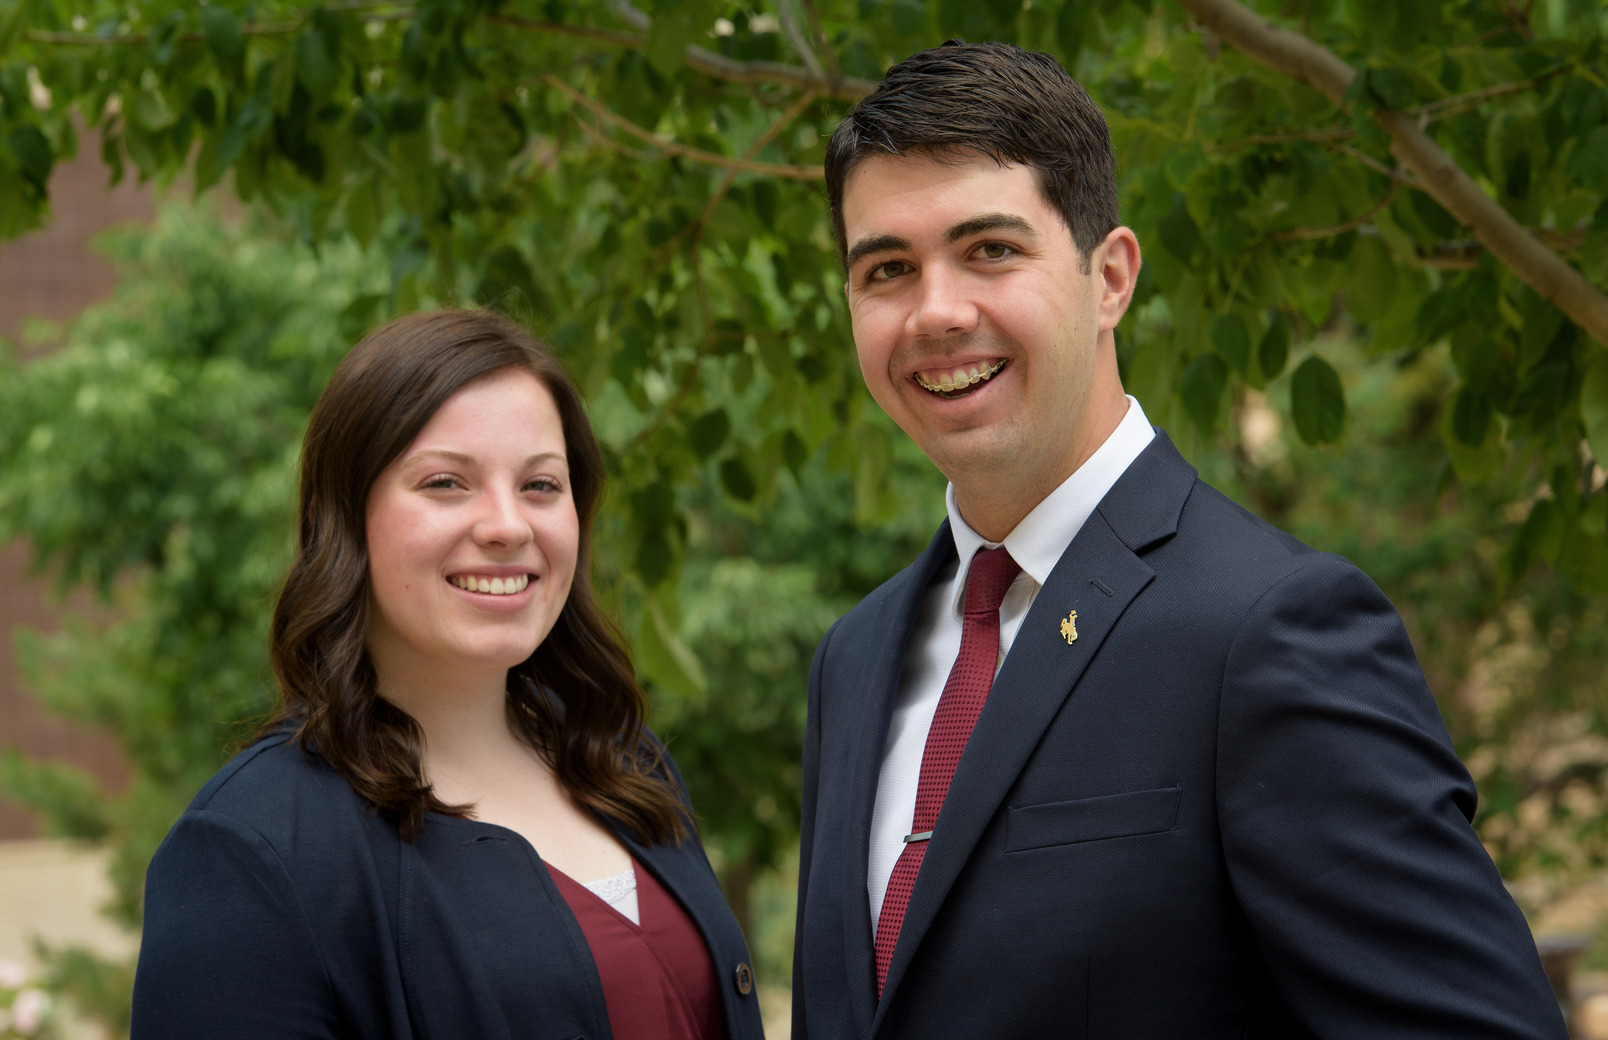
(958, 382)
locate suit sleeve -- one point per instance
(1344, 816)
(806, 838)
(227, 950)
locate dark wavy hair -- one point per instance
(575, 699)
(1014, 106)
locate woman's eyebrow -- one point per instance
(461, 459)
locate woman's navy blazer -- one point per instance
(280, 906)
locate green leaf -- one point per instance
(1177, 229)
(1439, 313)
(737, 480)
(1373, 279)
(708, 432)
(363, 211)
(794, 452)
(225, 36)
(315, 66)
(1472, 464)
(668, 37)
(1392, 86)
(1542, 321)
(1072, 26)
(1202, 388)
(151, 110)
(1594, 406)
(1232, 340)
(1317, 401)
(1537, 539)
(1274, 350)
(30, 148)
(1471, 417)
(665, 658)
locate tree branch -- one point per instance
(790, 29)
(1297, 234)
(717, 66)
(794, 110)
(670, 147)
(73, 39)
(1436, 172)
(1427, 113)
(840, 88)
(822, 44)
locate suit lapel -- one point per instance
(873, 703)
(1098, 576)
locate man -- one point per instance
(1207, 793)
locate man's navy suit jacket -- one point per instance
(1230, 808)
(280, 907)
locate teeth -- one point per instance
(493, 586)
(960, 378)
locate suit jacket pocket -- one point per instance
(1092, 819)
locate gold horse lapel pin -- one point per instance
(1069, 627)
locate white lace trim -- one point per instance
(613, 889)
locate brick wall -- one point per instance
(53, 273)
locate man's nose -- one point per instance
(943, 306)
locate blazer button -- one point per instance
(744, 978)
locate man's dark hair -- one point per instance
(1015, 106)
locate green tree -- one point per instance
(1423, 180)
(645, 182)
(151, 457)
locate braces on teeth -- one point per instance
(949, 387)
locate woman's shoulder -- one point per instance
(274, 782)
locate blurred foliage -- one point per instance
(640, 183)
(151, 456)
(639, 188)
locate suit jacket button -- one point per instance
(744, 978)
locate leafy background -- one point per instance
(1327, 342)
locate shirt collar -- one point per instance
(1038, 542)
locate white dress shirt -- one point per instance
(1036, 544)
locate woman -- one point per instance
(456, 826)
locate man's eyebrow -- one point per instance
(877, 244)
(989, 222)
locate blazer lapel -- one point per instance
(874, 702)
(1098, 576)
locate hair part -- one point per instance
(575, 700)
(1017, 107)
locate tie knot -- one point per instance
(991, 574)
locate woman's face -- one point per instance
(472, 533)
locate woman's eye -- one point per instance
(544, 484)
(441, 482)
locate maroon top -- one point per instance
(658, 980)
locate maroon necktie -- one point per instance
(992, 571)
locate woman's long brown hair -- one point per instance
(575, 700)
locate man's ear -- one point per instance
(1116, 263)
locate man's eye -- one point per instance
(995, 250)
(884, 272)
